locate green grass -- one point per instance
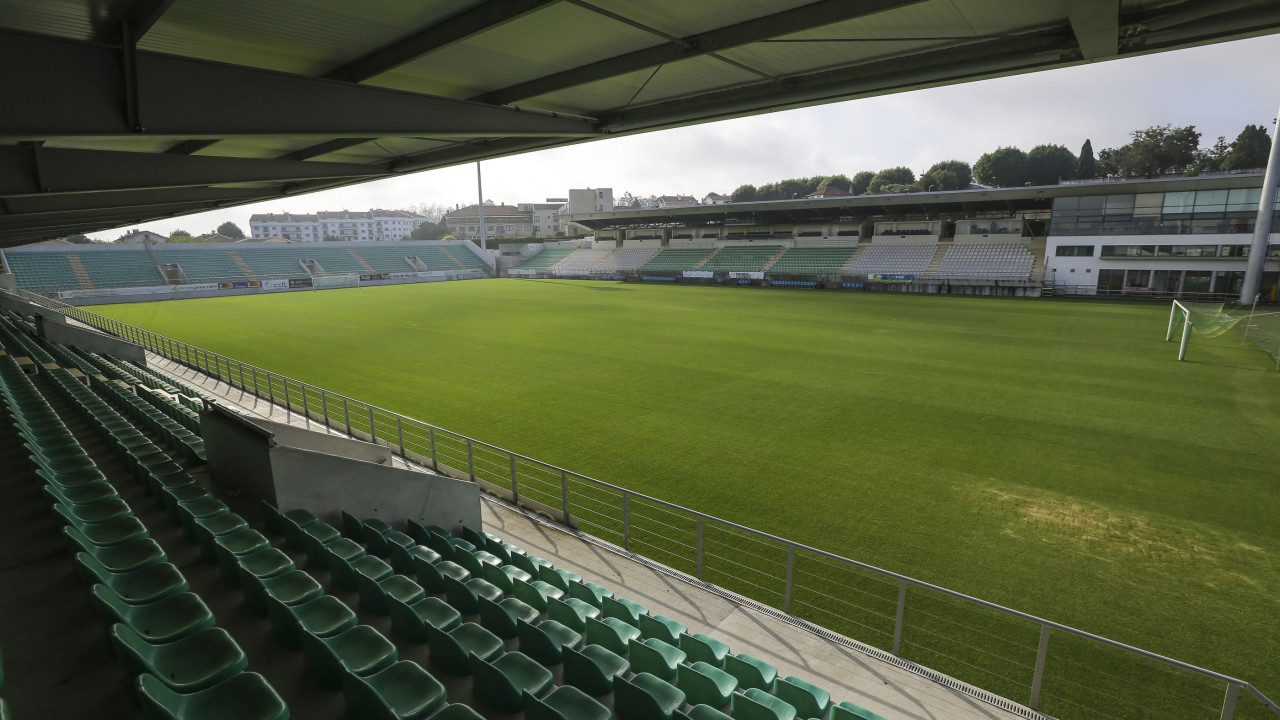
(1048, 455)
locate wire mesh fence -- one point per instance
(1043, 665)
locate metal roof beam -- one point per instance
(103, 217)
(53, 205)
(32, 170)
(799, 19)
(138, 17)
(72, 88)
(465, 24)
(1096, 24)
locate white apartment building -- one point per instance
(371, 225)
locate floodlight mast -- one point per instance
(1262, 226)
(480, 205)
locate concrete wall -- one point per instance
(300, 437)
(326, 484)
(55, 329)
(238, 452)
(8, 281)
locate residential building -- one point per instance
(371, 225)
(140, 236)
(674, 201)
(501, 221)
(715, 199)
(545, 216)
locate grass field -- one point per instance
(1049, 455)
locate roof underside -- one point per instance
(124, 111)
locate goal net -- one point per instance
(336, 280)
(1203, 319)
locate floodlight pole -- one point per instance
(480, 204)
(1262, 225)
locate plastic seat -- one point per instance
(662, 628)
(144, 585)
(234, 545)
(376, 582)
(529, 563)
(216, 526)
(503, 683)
(751, 672)
(165, 620)
(403, 559)
(536, 593)
(261, 564)
(123, 557)
(809, 700)
(593, 669)
(457, 711)
(451, 651)
(247, 696)
(704, 648)
(545, 641)
(501, 617)
(431, 575)
(403, 691)
(623, 609)
(201, 507)
(292, 587)
(338, 556)
(314, 539)
(295, 521)
(78, 495)
(380, 544)
(558, 577)
(655, 657)
(324, 616)
(704, 684)
(611, 633)
(646, 697)
(188, 664)
(345, 573)
(503, 577)
(702, 712)
(465, 596)
(565, 703)
(360, 651)
(96, 512)
(572, 613)
(410, 620)
(850, 711)
(422, 533)
(756, 704)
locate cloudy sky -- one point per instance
(1219, 89)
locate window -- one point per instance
(1074, 251)
(1240, 251)
(1187, 251)
(1128, 251)
(1110, 279)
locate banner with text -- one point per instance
(747, 275)
(894, 278)
(699, 274)
(240, 285)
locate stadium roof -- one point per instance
(976, 200)
(123, 111)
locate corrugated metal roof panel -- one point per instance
(79, 19)
(682, 19)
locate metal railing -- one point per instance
(1056, 669)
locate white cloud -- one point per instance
(1218, 88)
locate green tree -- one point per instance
(1212, 158)
(947, 175)
(744, 193)
(1156, 150)
(332, 238)
(861, 181)
(1086, 165)
(890, 176)
(1002, 167)
(78, 239)
(1250, 149)
(231, 230)
(429, 231)
(1049, 164)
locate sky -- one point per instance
(1217, 88)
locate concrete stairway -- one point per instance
(82, 274)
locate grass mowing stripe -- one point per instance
(1050, 455)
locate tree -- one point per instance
(948, 175)
(1086, 165)
(1049, 164)
(1250, 150)
(78, 239)
(1154, 151)
(180, 233)
(744, 193)
(1002, 167)
(231, 230)
(890, 176)
(431, 211)
(861, 181)
(332, 238)
(1212, 158)
(429, 231)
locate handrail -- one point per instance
(1234, 685)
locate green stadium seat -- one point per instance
(465, 595)
(536, 593)
(233, 546)
(165, 620)
(259, 565)
(809, 700)
(850, 711)
(545, 641)
(292, 587)
(361, 651)
(94, 512)
(565, 703)
(247, 696)
(431, 576)
(501, 617)
(380, 544)
(402, 558)
(475, 561)
(294, 522)
(645, 697)
(611, 633)
(529, 563)
(343, 570)
(624, 610)
(189, 664)
(119, 558)
(78, 495)
(377, 582)
(403, 691)
(314, 539)
(558, 577)
(451, 651)
(136, 587)
(661, 628)
(702, 712)
(655, 657)
(704, 684)
(751, 672)
(410, 620)
(593, 669)
(591, 593)
(323, 616)
(572, 613)
(503, 683)
(215, 526)
(756, 704)
(504, 576)
(338, 556)
(704, 648)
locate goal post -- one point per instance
(1204, 319)
(335, 280)
(1179, 312)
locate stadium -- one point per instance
(892, 455)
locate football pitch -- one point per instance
(1048, 455)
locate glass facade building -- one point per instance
(1187, 212)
